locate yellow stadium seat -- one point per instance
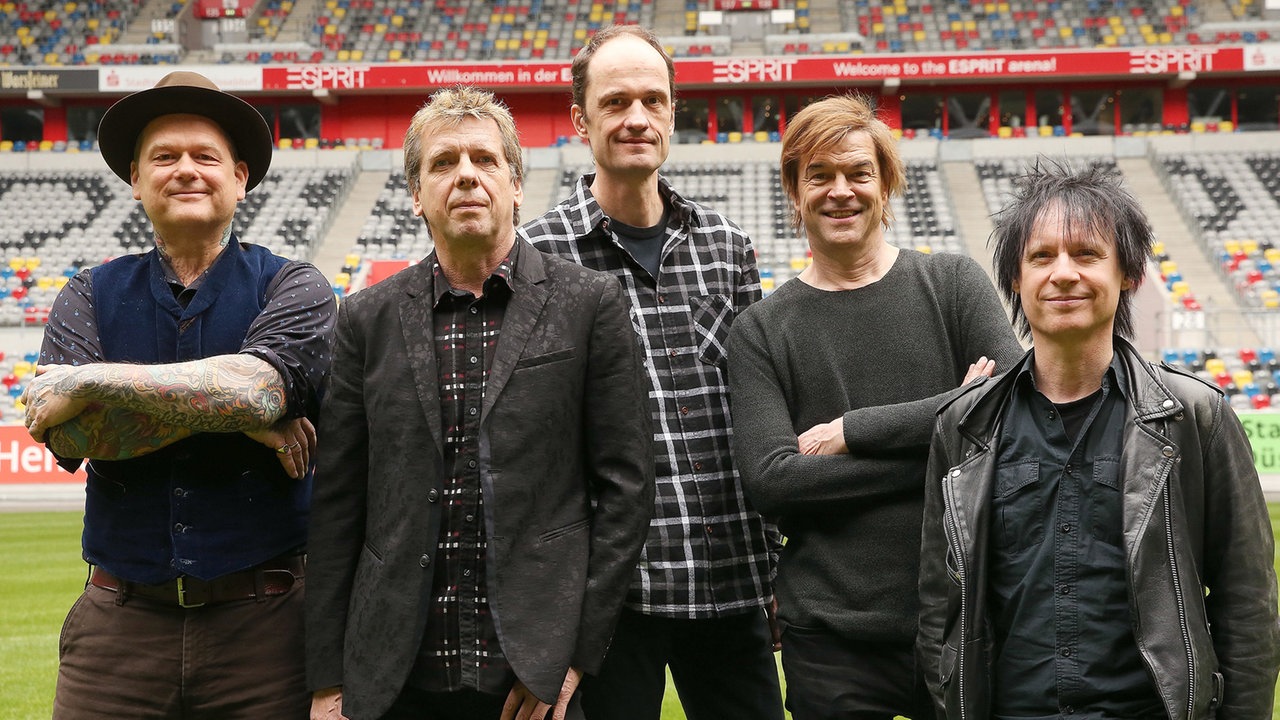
(1178, 289)
(17, 263)
(1168, 267)
(877, 28)
(32, 262)
(766, 284)
(1242, 377)
(897, 133)
(380, 28)
(6, 145)
(1249, 245)
(1231, 246)
(1004, 131)
(1157, 247)
(1044, 130)
(344, 56)
(59, 281)
(285, 143)
(357, 55)
(799, 263)
(394, 54)
(22, 368)
(44, 282)
(343, 279)
(1197, 126)
(1213, 366)
(735, 137)
(1226, 126)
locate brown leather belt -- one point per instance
(273, 577)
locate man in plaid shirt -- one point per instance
(697, 599)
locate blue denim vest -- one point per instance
(212, 503)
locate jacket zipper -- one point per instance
(953, 537)
(1177, 594)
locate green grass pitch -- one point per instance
(41, 574)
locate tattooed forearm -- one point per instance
(112, 434)
(226, 393)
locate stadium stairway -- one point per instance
(337, 242)
(1208, 285)
(140, 26)
(296, 27)
(973, 223)
(668, 18)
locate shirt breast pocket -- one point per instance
(1104, 502)
(1019, 515)
(712, 317)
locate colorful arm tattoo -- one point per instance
(104, 433)
(226, 393)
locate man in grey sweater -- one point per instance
(874, 337)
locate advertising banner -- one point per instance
(818, 70)
(23, 460)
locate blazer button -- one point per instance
(433, 495)
(425, 560)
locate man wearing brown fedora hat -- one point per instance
(187, 376)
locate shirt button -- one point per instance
(471, 411)
(1068, 710)
(474, 310)
(1066, 527)
(466, 572)
(697, 466)
(710, 529)
(1070, 468)
(470, 518)
(1066, 652)
(684, 411)
(179, 492)
(662, 299)
(471, 464)
(1065, 589)
(424, 561)
(433, 495)
(474, 359)
(672, 353)
(179, 527)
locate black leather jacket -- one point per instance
(1198, 547)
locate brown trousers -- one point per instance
(145, 660)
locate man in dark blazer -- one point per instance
(485, 474)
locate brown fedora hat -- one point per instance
(185, 92)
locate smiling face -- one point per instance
(466, 190)
(627, 115)
(841, 196)
(187, 177)
(1070, 281)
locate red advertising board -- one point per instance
(818, 70)
(23, 460)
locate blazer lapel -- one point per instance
(523, 310)
(419, 341)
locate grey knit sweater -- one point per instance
(884, 356)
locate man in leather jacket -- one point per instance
(1095, 543)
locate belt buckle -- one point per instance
(182, 596)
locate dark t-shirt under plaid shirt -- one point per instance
(460, 645)
(708, 553)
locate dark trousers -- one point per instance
(831, 678)
(722, 668)
(415, 704)
(145, 660)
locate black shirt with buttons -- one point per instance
(1060, 610)
(460, 646)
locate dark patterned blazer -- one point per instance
(566, 469)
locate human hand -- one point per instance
(294, 441)
(49, 400)
(522, 705)
(824, 439)
(327, 704)
(984, 367)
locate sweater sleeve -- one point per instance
(978, 327)
(778, 479)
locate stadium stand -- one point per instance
(1230, 199)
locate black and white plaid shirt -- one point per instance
(708, 553)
